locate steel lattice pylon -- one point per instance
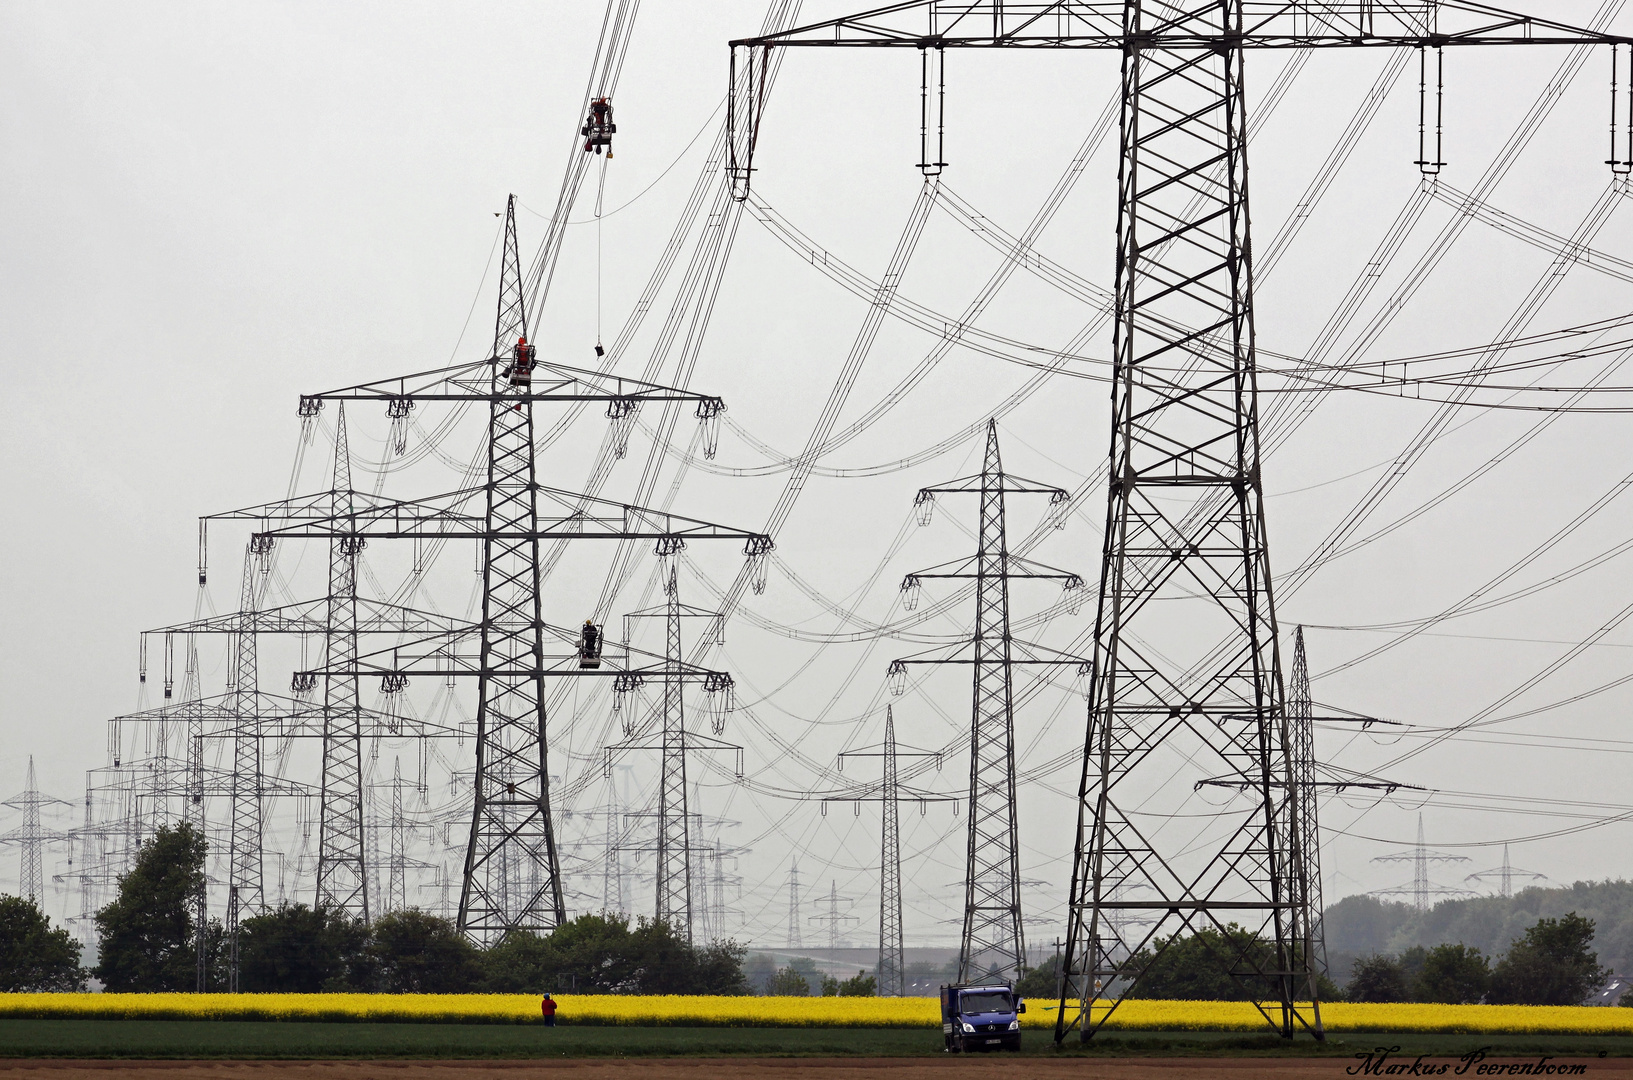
(993, 944)
(891, 972)
(245, 895)
(673, 883)
(1186, 559)
(892, 950)
(510, 823)
(342, 876)
(1185, 655)
(1306, 824)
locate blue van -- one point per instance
(986, 1017)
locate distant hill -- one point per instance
(1361, 925)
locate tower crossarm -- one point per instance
(1099, 24)
(1015, 567)
(459, 515)
(281, 717)
(475, 382)
(309, 617)
(454, 653)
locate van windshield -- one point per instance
(994, 1001)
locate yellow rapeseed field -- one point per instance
(834, 1012)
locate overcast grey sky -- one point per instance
(208, 209)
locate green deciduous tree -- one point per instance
(604, 954)
(34, 958)
(147, 933)
(1377, 978)
(860, 985)
(1452, 975)
(1553, 964)
(1042, 981)
(788, 983)
(415, 952)
(298, 950)
(1199, 967)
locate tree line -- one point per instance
(148, 941)
(1552, 963)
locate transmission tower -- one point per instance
(1306, 829)
(512, 875)
(245, 891)
(793, 905)
(674, 848)
(31, 837)
(1185, 654)
(993, 944)
(1505, 875)
(342, 876)
(890, 794)
(1420, 856)
(834, 917)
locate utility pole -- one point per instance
(992, 944)
(890, 794)
(1186, 658)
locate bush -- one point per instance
(33, 957)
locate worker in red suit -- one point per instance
(548, 1008)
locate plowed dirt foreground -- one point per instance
(695, 1068)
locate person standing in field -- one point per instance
(548, 1008)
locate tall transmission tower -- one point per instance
(342, 876)
(834, 917)
(1186, 657)
(1306, 834)
(674, 848)
(32, 836)
(1420, 856)
(793, 905)
(246, 894)
(512, 874)
(890, 794)
(1505, 875)
(993, 943)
